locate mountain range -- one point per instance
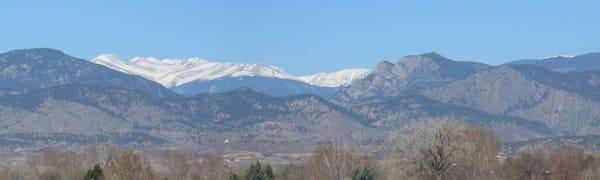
(410, 75)
(585, 62)
(52, 99)
(30, 69)
(193, 76)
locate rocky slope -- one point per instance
(245, 118)
(567, 102)
(397, 112)
(410, 75)
(25, 70)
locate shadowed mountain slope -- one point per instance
(25, 70)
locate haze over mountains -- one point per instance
(48, 98)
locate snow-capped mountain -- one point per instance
(557, 57)
(335, 79)
(176, 72)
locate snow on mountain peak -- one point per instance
(557, 56)
(172, 72)
(335, 79)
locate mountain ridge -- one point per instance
(583, 62)
(410, 75)
(29, 69)
(177, 72)
(526, 91)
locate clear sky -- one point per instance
(304, 36)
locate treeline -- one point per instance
(438, 149)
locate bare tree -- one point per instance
(94, 154)
(567, 163)
(16, 172)
(292, 172)
(175, 163)
(476, 152)
(591, 169)
(211, 167)
(442, 148)
(427, 150)
(128, 165)
(331, 162)
(54, 165)
(534, 165)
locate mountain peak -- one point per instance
(384, 64)
(430, 56)
(36, 53)
(173, 72)
(107, 58)
(38, 50)
(433, 55)
(43, 67)
(411, 75)
(337, 78)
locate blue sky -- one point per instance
(304, 36)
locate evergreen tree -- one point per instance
(254, 172)
(363, 174)
(268, 173)
(94, 174)
(257, 172)
(234, 177)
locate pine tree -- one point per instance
(257, 172)
(363, 174)
(234, 177)
(268, 173)
(94, 173)
(254, 172)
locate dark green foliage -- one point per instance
(363, 174)
(234, 177)
(94, 173)
(268, 171)
(257, 172)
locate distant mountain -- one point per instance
(194, 76)
(585, 62)
(265, 85)
(335, 79)
(48, 98)
(567, 102)
(410, 75)
(84, 114)
(176, 72)
(395, 112)
(25, 70)
(246, 118)
(589, 143)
